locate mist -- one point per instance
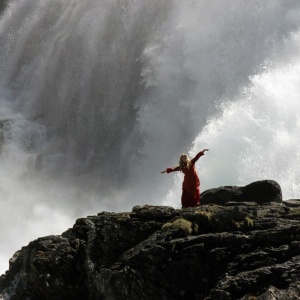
(98, 97)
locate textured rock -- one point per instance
(241, 250)
(260, 192)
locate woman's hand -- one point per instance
(205, 150)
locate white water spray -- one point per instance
(97, 97)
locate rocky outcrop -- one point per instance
(238, 250)
(260, 192)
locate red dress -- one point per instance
(191, 183)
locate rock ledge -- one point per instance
(238, 250)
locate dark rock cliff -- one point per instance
(246, 249)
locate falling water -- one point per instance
(98, 96)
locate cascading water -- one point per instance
(98, 96)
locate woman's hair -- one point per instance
(181, 163)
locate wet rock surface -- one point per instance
(238, 250)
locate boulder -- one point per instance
(260, 192)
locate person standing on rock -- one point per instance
(191, 183)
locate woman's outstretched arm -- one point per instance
(198, 156)
(169, 170)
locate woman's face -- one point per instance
(184, 159)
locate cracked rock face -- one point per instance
(237, 250)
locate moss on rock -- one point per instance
(181, 225)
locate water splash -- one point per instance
(102, 95)
(257, 134)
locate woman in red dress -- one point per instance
(191, 183)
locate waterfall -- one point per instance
(98, 96)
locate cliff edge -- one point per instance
(241, 243)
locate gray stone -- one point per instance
(260, 192)
(231, 251)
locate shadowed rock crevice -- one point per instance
(232, 248)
